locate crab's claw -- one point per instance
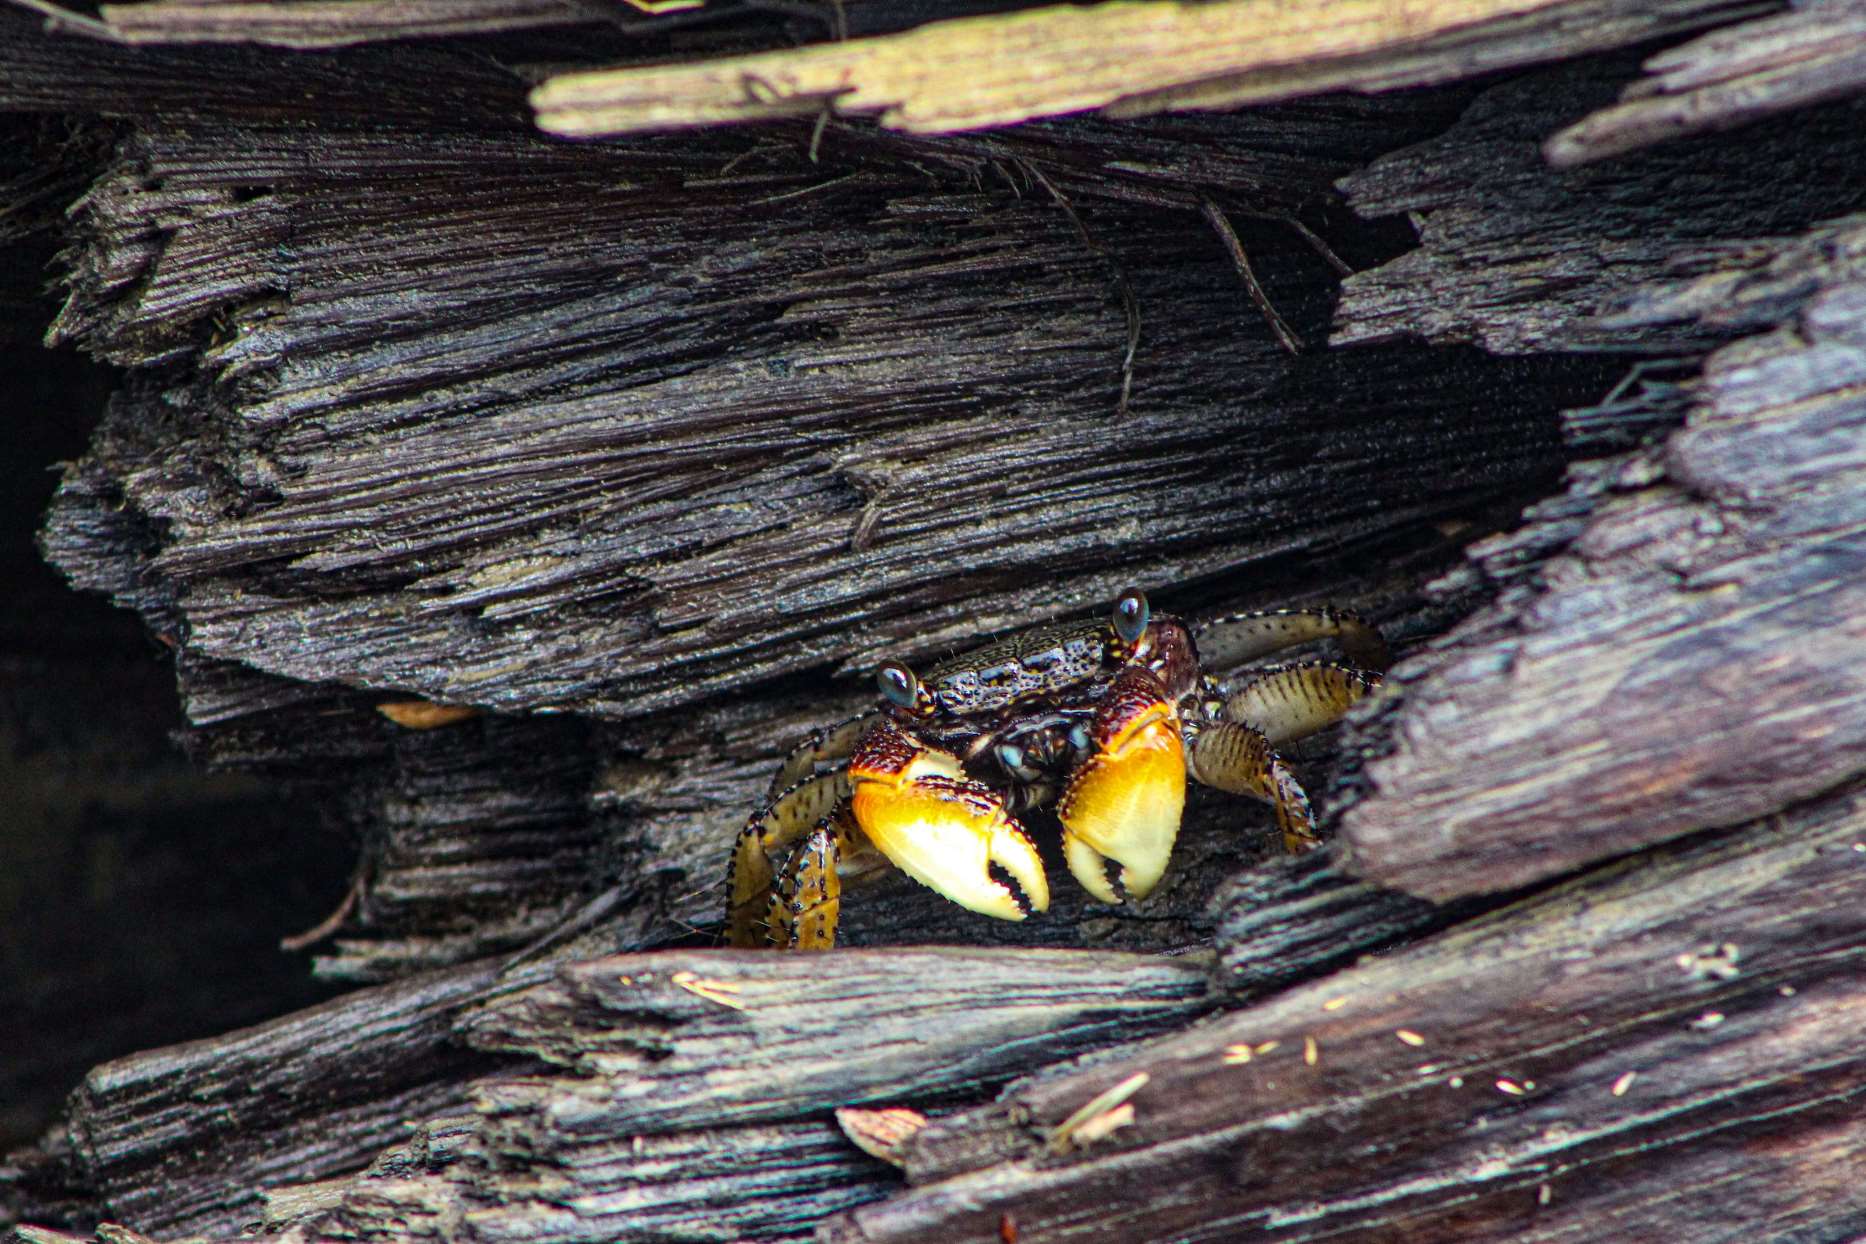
(1124, 801)
(942, 830)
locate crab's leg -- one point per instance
(1225, 642)
(1289, 702)
(806, 902)
(1123, 802)
(832, 743)
(915, 806)
(1237, 758)
(774, 827)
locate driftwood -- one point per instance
(610, 461)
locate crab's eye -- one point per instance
(898, 684)
(1130, 616)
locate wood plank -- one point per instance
(673, 1039)
(319, 24)
(1289, 920)
(181, 1140)
(635, 1078)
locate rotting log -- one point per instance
(404, 378)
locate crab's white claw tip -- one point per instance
(1090, 868)
(1015, 854)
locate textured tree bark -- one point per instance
(618, 464)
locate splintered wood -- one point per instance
(1727, 599)
(1141, 55)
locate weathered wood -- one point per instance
(1290, 920)
(313, 25)
(309, 531)
(551, 449)
(710, 1184)
(634, 1078)
(406, 379)
(1725, 604)
(181, 1140)
(1728, 78)
(673, 1039)
(1617, 1041)
(481, 836)
(112, 940)
(1518, 257)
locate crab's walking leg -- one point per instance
(806, 903)
(1225, 642)
(1289, 702)
(1124, 801)
(1234, 757)
(915, 806)
(773, 827)
(833, 743)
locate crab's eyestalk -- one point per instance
(1131, 615)
(900, 688)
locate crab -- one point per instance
(1104, 720)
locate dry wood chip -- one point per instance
(711, 990)
(1090, 1122)
(425, 714)
(881, 1133)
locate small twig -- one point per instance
(816, 131)
(1320, 247)
(582, 920)
(331, 923)
(811, 189)
(1130, 305)
(59, 19)
(1215, 216)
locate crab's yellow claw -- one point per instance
(1124, 802)
(941, 829)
